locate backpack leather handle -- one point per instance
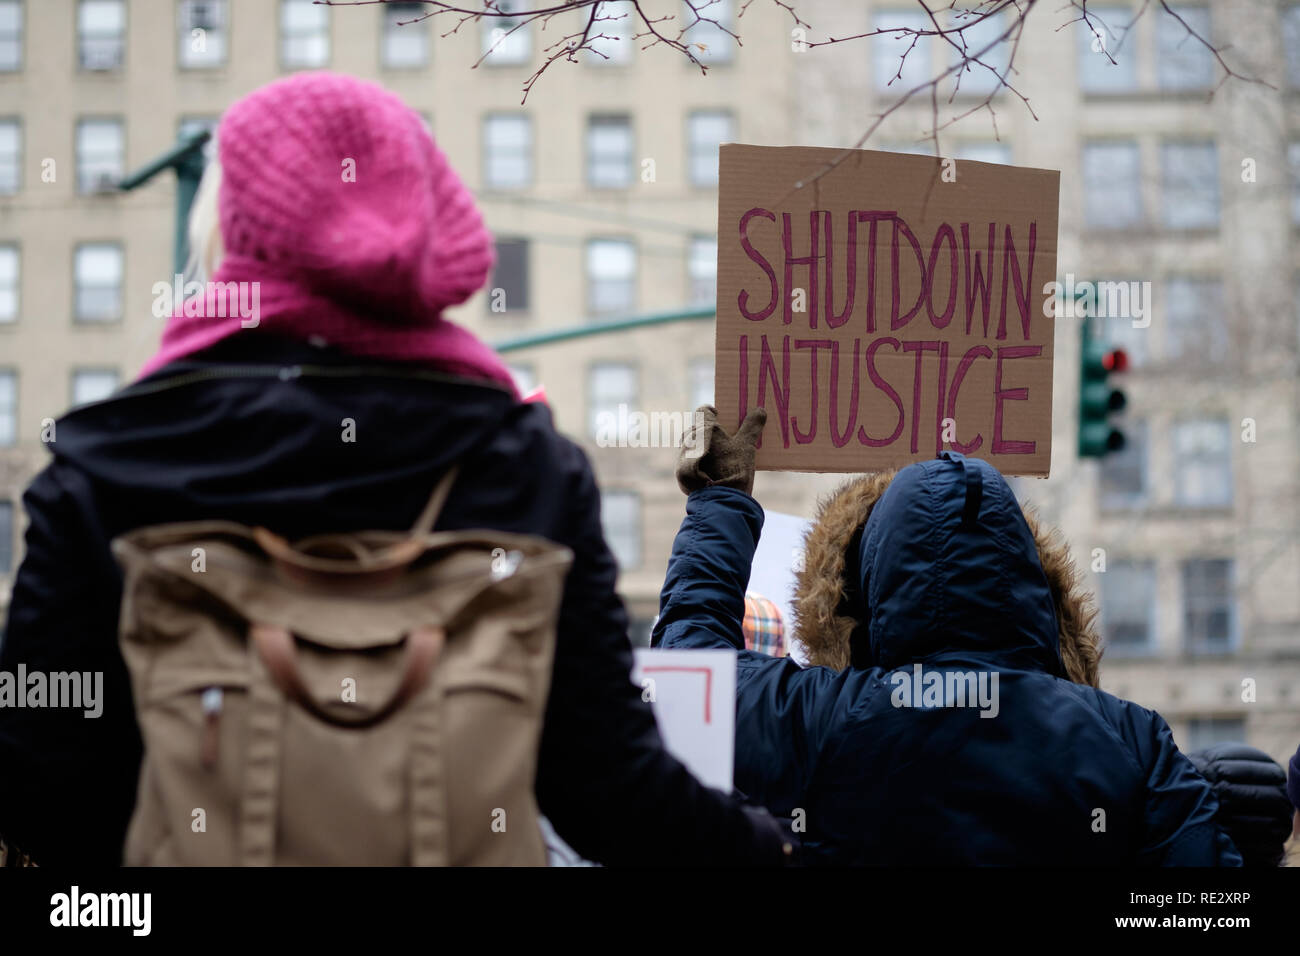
(275, 645)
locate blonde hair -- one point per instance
(203, 231)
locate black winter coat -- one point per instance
(251, 431)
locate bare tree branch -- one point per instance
(673, 32)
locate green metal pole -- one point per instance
(604, 328)
(189, 170)
(186, 157)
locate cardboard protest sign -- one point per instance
(694, 698)
(884, 307)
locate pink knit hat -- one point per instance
(335, 199)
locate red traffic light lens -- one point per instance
(1116, 360)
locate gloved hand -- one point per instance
(710, 456)
(778, 843)
(1254, 809)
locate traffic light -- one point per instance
(1098, 399)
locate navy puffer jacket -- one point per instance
(954, 738)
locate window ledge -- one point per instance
(1131, 653)
(1122, 509)
(1181, 512)
(1147, 231)
(1170, 512)
(1154, 95)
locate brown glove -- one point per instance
(710, 456)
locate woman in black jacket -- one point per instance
(253, 418)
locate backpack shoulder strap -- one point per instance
(424, 524)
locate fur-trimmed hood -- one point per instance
(819, 611)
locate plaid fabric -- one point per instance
(764, 630)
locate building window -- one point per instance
(1182, 61)
(98, 281)
(981, 32)
(8, 408)
(525, 377)
(699, 374)
(11, 35)
(1190, 185)
(1112, 194)
(1293, 160)
(304, 34)
(9, 271)
(1205, 732)
(1123, 476)
(707, 130)
(1128, 609)
(609, 151)
(100, 147)
(1195, 324)
(506, 41)
(609, 385)
(611, 35)
(11, 156)
(509, 288)
(1203, 463)
(986, 152)
(895, 52)
(203, 33)
(507, 151)
(1102, 41)
(93, 385)
(706, 30)
(6, 538)
(611, 277)
(406, 36)
(620, 518)
(1209, 610)
(702, 270)
(1291, 44)
(101, 34)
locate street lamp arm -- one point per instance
(602, 328)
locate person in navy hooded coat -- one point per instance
(954, 737)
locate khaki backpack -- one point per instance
(354, 699)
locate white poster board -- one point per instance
(693, 694)
(779, 553)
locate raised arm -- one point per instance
(780, 708)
